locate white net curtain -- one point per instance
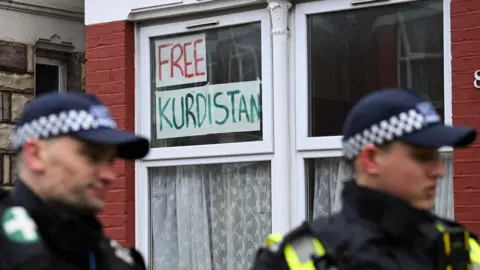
(209, 217)
(331, 173)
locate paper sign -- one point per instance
(210, 109)
(180, 60)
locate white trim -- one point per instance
(142, 219)
(339, 5)
(142, 211)
(205, 161)
(293, 183)
(299, 196)
(305, 143)
(143, 99)
(447, 63)
(62, 70)
(279, 14)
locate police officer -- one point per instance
(66, 144)
(391, 138)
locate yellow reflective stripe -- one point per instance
(273, 239)
(293, 259)
(306, 246)
(294, 262)
(319, 247)
(440, 227)
(474, 251)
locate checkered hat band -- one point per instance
(384, 132)
(54, 125)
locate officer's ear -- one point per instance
(367, 159)
(33, 155)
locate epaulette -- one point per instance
(300, 248)
(453, 224)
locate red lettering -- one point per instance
(185, 60)
(196, 59)
(177, 59)
(174, 63)
(160, 61)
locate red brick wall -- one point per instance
(110, 75)
(465, 22)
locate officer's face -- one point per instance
(406, 171)
(76, 173)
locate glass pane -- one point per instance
(46, 79)
(209, 216)
(2, 171)
(355, 52)
(326, 176)
(2, 106)
(5, 106)
(206, 87)
(6, 169)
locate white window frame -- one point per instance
(330, 146)
(224, 149)
(200, 154)
(62, 71)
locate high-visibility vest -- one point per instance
(298, 253)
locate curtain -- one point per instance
(330, 174)
(209, 216)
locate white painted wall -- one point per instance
(119, 10)
(70, 5)
(28, 28)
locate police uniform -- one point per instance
(374, 229)
(35, 236)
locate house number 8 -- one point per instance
(476, 82)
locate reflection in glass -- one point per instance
(352, 53)
(233, 55)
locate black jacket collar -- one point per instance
(395, 216)
(69, 236)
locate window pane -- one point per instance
(209, 216)
(7, 169)
(354, 52)
(326, 176)
(206, 87)
(46, 79)
(5, 106)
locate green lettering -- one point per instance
(183, 113)
(209, 109)
(232, 102)
(255, 107)
(221, 107)
(161, 113)
(243, 109)
(201, 119)
(188, 110)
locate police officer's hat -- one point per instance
(79, 115)
(399, 114)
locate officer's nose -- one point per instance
(106, 173)
(438, 170)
